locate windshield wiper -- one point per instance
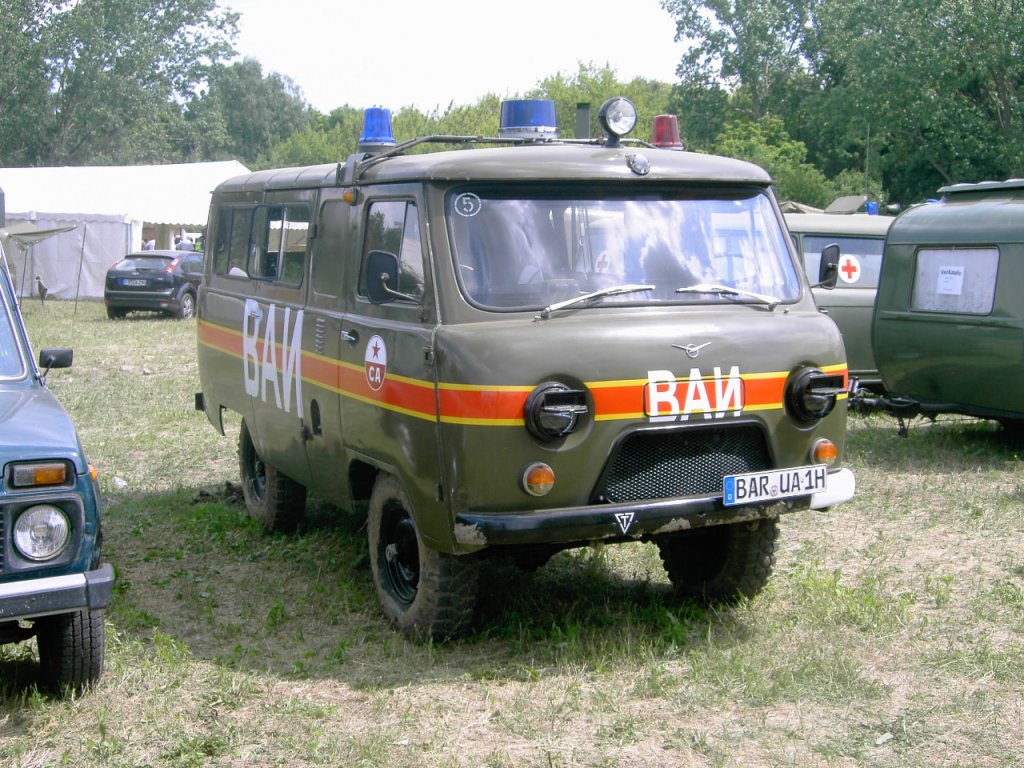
(724, 290)
(590, 298)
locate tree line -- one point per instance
(831, 96)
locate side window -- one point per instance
(955, 280)
(280, 237)
(230, 253)
(329, 253)
(393, 226)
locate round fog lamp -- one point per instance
(41, 532)
(538, 479)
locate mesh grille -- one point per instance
(688, 462)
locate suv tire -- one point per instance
(427, 594)
(721, 563)
(270, 496)
(71, 648)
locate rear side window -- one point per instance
(393, 226)
(281, 235)
(230, 253)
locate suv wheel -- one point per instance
(721, 563)
(71, 649)
(427, 594)
(271, 497)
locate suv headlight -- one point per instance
(42, 532)
(811, 394)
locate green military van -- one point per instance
(948, 328)
(517, 345)
(851, 301)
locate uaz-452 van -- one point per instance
(519, 349)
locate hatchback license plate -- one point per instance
(133, 282)
(774, 484)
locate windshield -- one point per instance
(12, 364)
(522, 251)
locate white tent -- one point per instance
(108, 206)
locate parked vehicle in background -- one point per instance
(52, 584)
(861, 240)
(948, 327)
(520, 349)
(159, 281)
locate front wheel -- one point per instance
(721, 563)
(427, 594)
(71, 648)
(270, 496)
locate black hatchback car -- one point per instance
(160, 281)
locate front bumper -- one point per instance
(606, 522)
(31, 598)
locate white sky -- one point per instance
(430, 53)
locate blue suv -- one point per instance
(52, 584)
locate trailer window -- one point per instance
(955, 280)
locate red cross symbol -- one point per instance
(850, 269)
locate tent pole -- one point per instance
(81, 259)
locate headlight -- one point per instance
(617, 117)
(811, 394)
(41, 532)
(552, 410)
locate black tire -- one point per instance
(721, 563)
(115, 314)
(186, 306)
(270, 496)
(71, 649)
(427, 594)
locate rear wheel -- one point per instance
(721, 563)
(186, 306)
(427, 594)
(71, 648)
(271, 497)
(116, 314)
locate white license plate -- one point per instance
(133, 283)
(774, 484)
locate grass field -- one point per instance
(891, 635)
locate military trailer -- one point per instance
(948, 326)
(53, 586)
(518, 345)
(850, 300)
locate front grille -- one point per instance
(683, 462)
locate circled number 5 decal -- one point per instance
(376, 362)
(467, 204)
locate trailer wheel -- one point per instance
(721, 563)
(271, 497)
(427, 594)
(71, 647)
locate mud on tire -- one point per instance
(427, 594)
(722, 563)
(271, 497)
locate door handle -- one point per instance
(350, 336)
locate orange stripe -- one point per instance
(487, 405)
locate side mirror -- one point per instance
(55, 358)
(381, 277)
(828, 268)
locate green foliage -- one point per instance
(102, 76)
(766, 143)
